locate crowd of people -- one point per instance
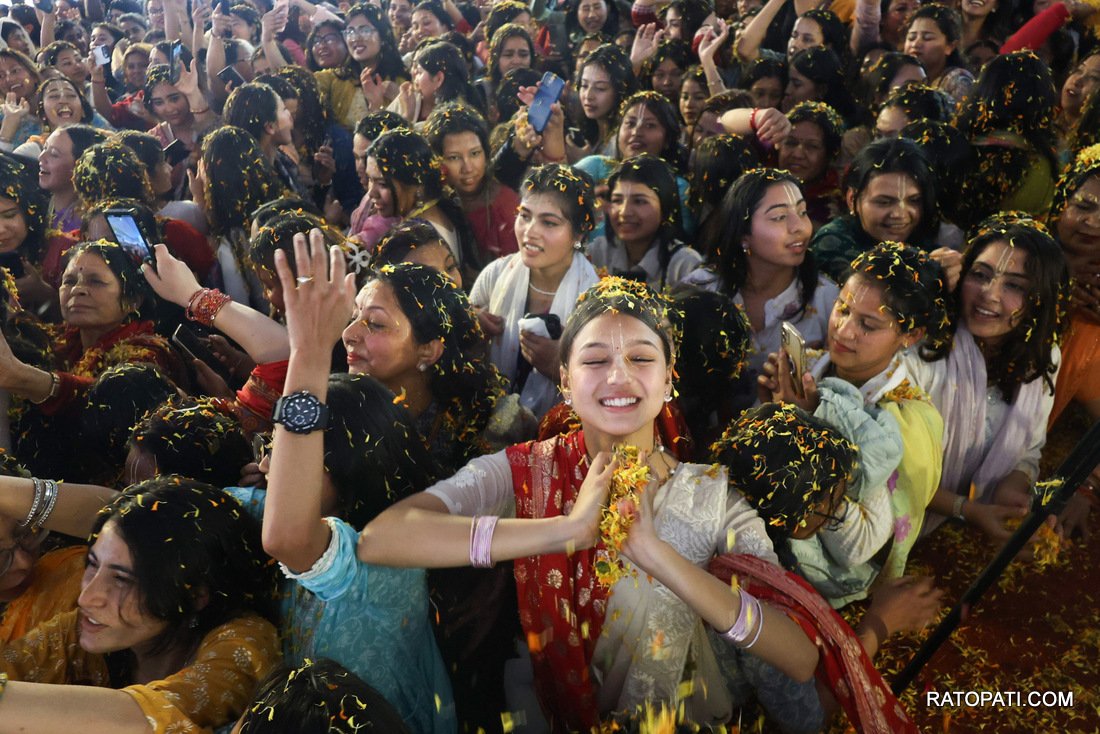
(353, 377)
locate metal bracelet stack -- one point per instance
(45, 498)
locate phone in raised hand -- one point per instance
(795, 346)
(550, 89)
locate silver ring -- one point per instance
(302, 279)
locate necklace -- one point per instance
(540, 291)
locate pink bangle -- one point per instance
(481, 540)
(743, 627)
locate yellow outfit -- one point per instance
(211, 691)
(342, 97)
(54, 587)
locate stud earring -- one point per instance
(578, 246)
(423, 367)
(668, 397)
(567, 398)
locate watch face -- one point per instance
(301, 413)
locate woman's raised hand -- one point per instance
(772, 126)
(406, 101)
(319, 299)
(588, 507)
(172, 280)
(713, 40)
(642, 536)
(952, 263)
(188, 83)
(646, 40)
(374, 89)
(776, 385)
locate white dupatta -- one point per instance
(509, 300)
(962, 401)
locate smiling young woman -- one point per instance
(995, 387)
(615, 364)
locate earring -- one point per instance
(668, 397)
(567, 397)
(423, 367)
(578, 246)
(193, 623)
(745, 248)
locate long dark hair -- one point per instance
(388, 66)
(464, 383)
(198, 562)
(21, 186)
(405, 156)
(727, 258)
(496, 47)
(826, 70)
(651, 171)
(667, 116)
(616, 63)
(111, 170)
(442, 57)
(251, 107)
(238, 179)
(1014, 94)
(373, 453)
(718, 162)
(312, 114)
(874, 86)
(1025, 354)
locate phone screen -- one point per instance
(127, 234)
(175, 60)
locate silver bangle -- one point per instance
(48, 504)
(38, 491)
(957, 509)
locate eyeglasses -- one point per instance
(30, 542)
(329, 39)
(363, 31)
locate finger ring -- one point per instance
(302, 279)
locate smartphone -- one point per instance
(176, 152)
(229, 75)
(193, 346)
(795, 346)
(101, 55)
(46, 6)
(327, 143)
(127, 233)
(175, 61)
(546, 325)
(550, 89)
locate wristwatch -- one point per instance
(301, 412)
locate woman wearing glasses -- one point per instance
(371, 44)
(336, 72)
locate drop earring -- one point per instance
(567, 397)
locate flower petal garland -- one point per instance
(628, 482)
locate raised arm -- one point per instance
(318, 304)
(264, 339)
(748, 45)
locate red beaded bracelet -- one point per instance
(205, 305)
(752, 120)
